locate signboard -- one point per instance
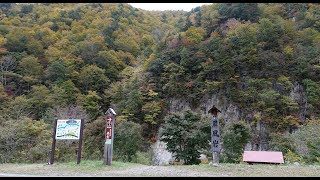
(108, 132)
(215, 135)
(68, 129)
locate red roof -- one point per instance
(263, 156)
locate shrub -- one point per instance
(307, 141)
(186, 134)
(94, 139)
(66, 150)
(26, 141)
(314, 152)
(143, 158)
(127, 140)
(281, 142)
(234, 138)
(292, 157)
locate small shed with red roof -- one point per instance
(263, 157)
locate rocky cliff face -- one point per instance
(229, 113)
(160, 155)
(298, 94)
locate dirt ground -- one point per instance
(139, 170)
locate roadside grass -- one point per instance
(89, 165)
(257, 170)
(118, 168)
(85, 167)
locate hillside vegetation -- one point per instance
(77, 60)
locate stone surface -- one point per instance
(231, 113)
(160, 155)
(299, 96)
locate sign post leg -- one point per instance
(109, 155)
(105, 154)
(53, 146)
(215, 157)
(80, 142)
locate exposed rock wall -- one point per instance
(298, 94)
(229, 113)
(160, 155)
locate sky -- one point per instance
(167, 6)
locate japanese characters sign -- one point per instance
(215, 135)
(68, 129)
(108, 131)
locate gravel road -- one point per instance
(162, 171)
(141, 171)
(138, 170)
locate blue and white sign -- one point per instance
(68, 128)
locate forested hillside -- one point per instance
(77, 60)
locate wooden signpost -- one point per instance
(109, 136)
(215, 135)
(67, 129)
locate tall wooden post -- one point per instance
(215, 136)
(80, 141)
(112, 139)
(53, 146)
(109, 136)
